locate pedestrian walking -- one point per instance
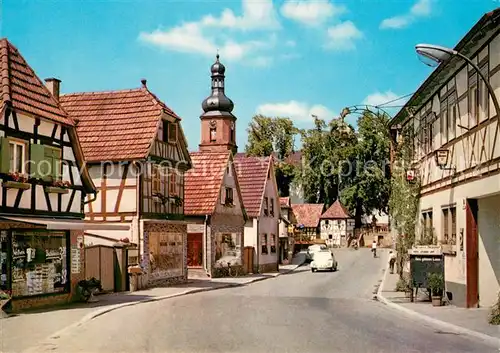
(392, 260)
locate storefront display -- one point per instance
(166, 253)
(228, 248)
(36, 262)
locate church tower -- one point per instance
(218, 124)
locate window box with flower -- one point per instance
(17, 181)
(58, 187)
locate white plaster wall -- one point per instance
(489, 250)
(250, 238)
(455, 266)
(269, 224)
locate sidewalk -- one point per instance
(50, 323)
(472, 322)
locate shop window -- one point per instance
(273, 243)
(38, 262)
(227, 249)
(264, 244)
(166, 252)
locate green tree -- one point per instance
(367, 188)
(404, 198)
(267, 136)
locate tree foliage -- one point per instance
(268, 135)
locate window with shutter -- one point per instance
(172, 184)
(264, 244)
(17, 156)
(445, 226)
(453, 214)
(273, 243)
(172, 132)
(37, 155)
(161, 134)
(266, 206)
(271, 207)
(155, 176)
(52, 163)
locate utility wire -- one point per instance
(395, 100)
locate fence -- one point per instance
(107, 264)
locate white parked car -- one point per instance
(314, 249)
(324, 260)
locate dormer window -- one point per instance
(172, 132)
(213, 134)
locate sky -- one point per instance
(282, 58)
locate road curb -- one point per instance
(491, 340)
(97, 313)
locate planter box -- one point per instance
(448, 249)
(56, 190)
(16, 185)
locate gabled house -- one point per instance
(261, 201)
(215, 214)
(336, 225)
(306, 219)
(456, 145)
(137, 156)
(44, 183)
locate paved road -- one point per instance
(298, 312)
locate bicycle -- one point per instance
(233, 272)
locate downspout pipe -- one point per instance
(205, 252)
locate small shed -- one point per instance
(336, 225)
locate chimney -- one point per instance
(53, 84)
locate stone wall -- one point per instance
(55, 299)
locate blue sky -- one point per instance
(287, 58)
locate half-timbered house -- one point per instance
(137, 156)
(457, 154)
(336, 225)
(261, 201)
(305, 218)
(44, 182)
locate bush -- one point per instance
(494, 318)
(403, 285)
(435, 282)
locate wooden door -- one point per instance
(195, 250)
(471, 246)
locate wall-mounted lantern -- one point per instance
(442, 155)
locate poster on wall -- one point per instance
(75, 259)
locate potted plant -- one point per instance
(17, 181)
(58, 187)
(88, 287)
(5, 303)
(435, 282)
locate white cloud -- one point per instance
(422, 8)
(256, 15)
(298, 111)
(311, 12)
(343, 36)
(395, 22)
(378, 98)
(204, 39)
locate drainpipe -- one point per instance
(257, 251)
(138, 213)
(205, 224)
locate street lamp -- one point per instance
(439, 54)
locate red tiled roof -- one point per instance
(202, 183)
(116, 125)
(252, 176)
(285, 202)
(307, 214)
(22, 88)
(336, 211)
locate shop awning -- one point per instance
(67, 224)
